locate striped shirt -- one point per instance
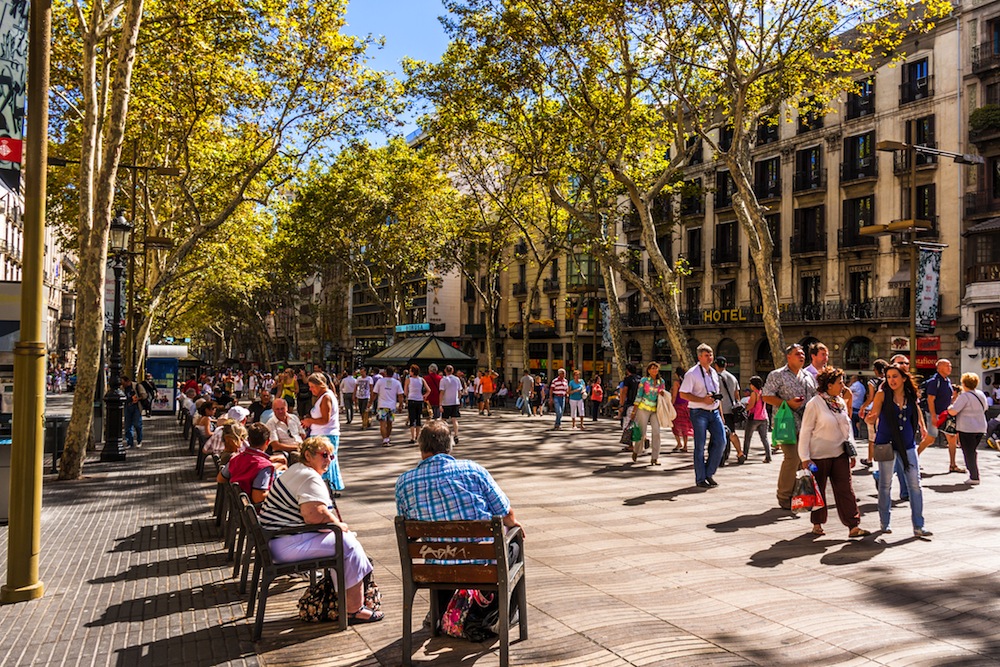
(299, 484)
(559, 386)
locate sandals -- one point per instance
(741, 459)
(858, 532)
(654, 462)
(958, 469)
(373, 617)
(676, 449)
(818, 530)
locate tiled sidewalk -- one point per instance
(626, 565)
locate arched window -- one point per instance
(731, 351)
(762, 362)
(858, 353)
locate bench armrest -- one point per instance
(308, 528)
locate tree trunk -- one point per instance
(615, 321)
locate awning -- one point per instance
(421, 350)
(627, 295)
(722, 283)
(902, 278)
(991, 225)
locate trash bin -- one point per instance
(55, 438)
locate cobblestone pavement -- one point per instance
(627, 564)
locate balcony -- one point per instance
(723, 200)
(859, 169)
(694, 205)
(695, 260)
(985, 58)
(550, 285)
(981, 203)
(809, 181)
(901, 159)
(803, 244)
(724, 255)
(475, 330)
(982, 273)
(519, 289)
(859, 107)
(918, 89)
(767, 189)
(583, 275)
(641, 320)
(848, 238)
(536, 329)
(984, 123)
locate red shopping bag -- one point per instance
(806, 497)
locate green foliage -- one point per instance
(984, 119)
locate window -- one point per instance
(858, 213)
(926, 202)
(694, 252)
(810, 116)
(916, 82)
(860, 285)
(861, 100)
(693, 199)
(809, 287)
(985, 248)
(988, 328)
(995, 177)
(810, 231)
(692, 299)
(522, 273)
(859, 161)
(774, 227)
(694, 144)
(727, 295)
(809, 169)
(767, 178)
(920, 132)
(725, 187)
(665, 243)
(660, 209)
(726, 138)
(767, 130)
(726, 247)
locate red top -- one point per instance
(245, 466)
(433, 381)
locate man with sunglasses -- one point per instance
(794, 385)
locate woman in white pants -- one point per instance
(651, 388)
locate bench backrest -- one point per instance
(252, 525)
(453, 540)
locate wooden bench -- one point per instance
(450, 540)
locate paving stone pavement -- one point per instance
(627, 564)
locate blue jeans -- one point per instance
(559, 403)
(912, 477)
(133, 420)
(705, 422)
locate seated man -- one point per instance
(442, 488)
(260, 406)
(251, 468)
(286, 432)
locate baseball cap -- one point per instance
(238, 413)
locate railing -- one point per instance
(536, 330)
(519, 289)
(550, 285)
(802, 244)
(694, 205)
(726, 255)
(767, 189)
(695, 260)
(849, 237)
(982, 273)
(984, 58)
(978, 203)
(918, 89)
(723, 199)
(901, 159)
(859, 107)
(810, 180)
(855, 170)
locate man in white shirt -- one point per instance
(390, 397)
(347, 386)
(450, 391)
(286, 432)
(701, 389)
(362, 394)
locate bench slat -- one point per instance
(458, 574)
(453, 550)
(416, 529)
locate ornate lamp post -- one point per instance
(114, 400)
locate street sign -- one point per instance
(928, 343)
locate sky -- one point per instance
(410, 28)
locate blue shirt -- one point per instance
(908, 424)
(443, 488)
(940, 388)
(576, 390)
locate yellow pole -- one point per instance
(24, 533)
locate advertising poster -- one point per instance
(928, 283)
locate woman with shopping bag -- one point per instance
(644, 411)
(825, 442)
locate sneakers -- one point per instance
(973, 482)
(921, 532)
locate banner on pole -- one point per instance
(928, 284)
(13, 73)
(606, 319)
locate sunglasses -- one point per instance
(326, 455)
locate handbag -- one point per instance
(807, 496)
(784, 426)
(636, 432)
(739, 410)
(883, 452)
(626, 438)
(319, 601)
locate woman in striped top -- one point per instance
(300, 497)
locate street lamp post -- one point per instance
(912, 224)
(114, 400)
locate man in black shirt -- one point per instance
(626, 393)
(261, 405)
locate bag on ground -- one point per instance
(784, 426)
(319, 601)
(807, 496)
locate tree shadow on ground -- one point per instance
(666, 495)
(766, 518)
(166, 568)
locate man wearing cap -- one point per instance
(285, 429)
(792, 384)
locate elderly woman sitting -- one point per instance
(300, 497)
